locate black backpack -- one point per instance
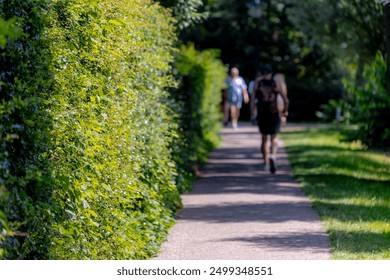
(266, 96)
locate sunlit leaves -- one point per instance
(108, 125)
(198, 100)
(89, 168)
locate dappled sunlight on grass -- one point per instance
(349, 186)
(355, 243)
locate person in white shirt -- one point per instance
(236, 93)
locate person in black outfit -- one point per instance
(271, 114)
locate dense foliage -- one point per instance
(354, 33)
(87, 130)
(201, 77)
(8, 30)
(97, 136)
(196, 99)
(351, 30)
(186, 12)
(24, 129)
(370, 105)
(116, 126)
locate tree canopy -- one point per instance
(316, 44)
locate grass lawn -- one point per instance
(349, 187)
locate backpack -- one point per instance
(266, 96)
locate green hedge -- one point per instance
(6, 31)
(24, 128)
(115, 124)
(86, 130)
(99, 133)
(201, 77)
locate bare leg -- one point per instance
(274, 148)
(264, 148)
(235, 113)
(274, 144)
(226, 110)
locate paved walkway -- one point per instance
(238, 211)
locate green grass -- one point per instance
(349, 186)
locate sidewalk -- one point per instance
(238, 211)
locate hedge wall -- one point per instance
(99, 133)
(86, 130)
(201, 77)
(24, 129)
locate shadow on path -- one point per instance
(238, 211)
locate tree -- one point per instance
(350, 30)
(387, 36)
(7, 31)
(353, 33)
(186, 12)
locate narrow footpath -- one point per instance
(238, 211)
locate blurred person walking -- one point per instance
(236, 93)
(272, 103)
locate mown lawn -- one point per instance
(349, 187)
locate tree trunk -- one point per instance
(387, 37)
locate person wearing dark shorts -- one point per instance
(269, 123)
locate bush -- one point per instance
(93, 146)
(25, 174)
(86, 130)
(201, 78)
(372, 103)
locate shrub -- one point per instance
(86, 129)
(25, 169)
(201, 78)
(8, 30)
(93, 146)
(372, 103)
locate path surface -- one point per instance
(238, 211)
